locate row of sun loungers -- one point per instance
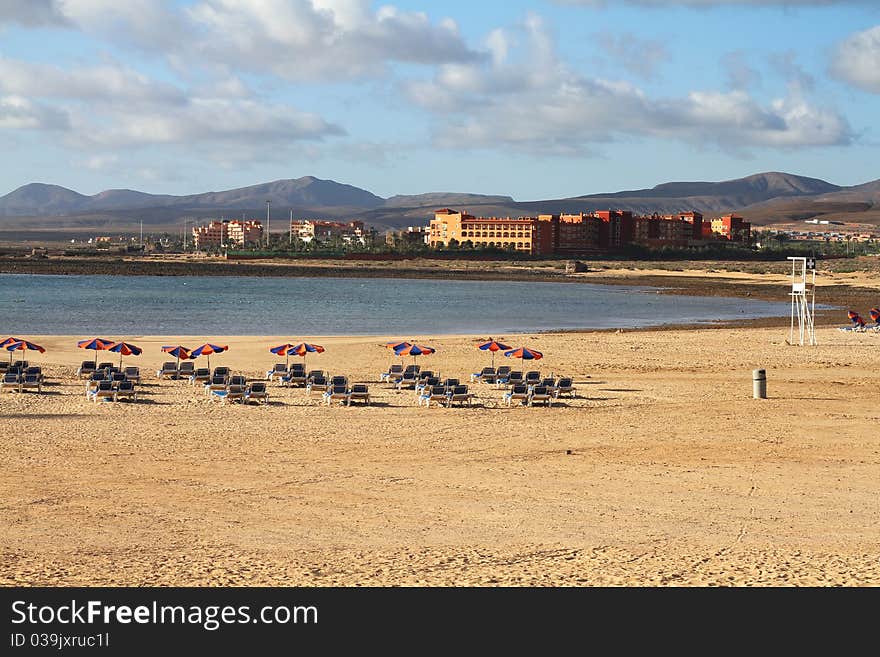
(19, 379)
(111, 390)
(345, 394)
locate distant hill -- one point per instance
(764, 198)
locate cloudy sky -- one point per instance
(530, 98)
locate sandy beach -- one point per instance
(662, 471)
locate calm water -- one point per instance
(192, 305)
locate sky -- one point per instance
(528, 98)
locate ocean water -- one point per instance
(212, 305)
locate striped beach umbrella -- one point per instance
(415, 350)
(524, 353)
(492, 346)
(304, 348)
(207, 349)
(178, 352)
(96, 344)
(22, 345)
(283, 350)
(124, 349)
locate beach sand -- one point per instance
(675, 475)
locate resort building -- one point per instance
(733, 228)
(524, 234)
(411, 235)
(223, 233)
(323, 231)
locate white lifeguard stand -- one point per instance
(803, 300)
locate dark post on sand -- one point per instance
(759, 384)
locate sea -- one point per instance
(220, 305)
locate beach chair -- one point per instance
(235, 392)
(540, 395)
(94, 380)
(532, 378)
(31, 381)
(501, 373)
(35, 369)
(201, 375)
(338, 381)
(485, 375)
(169, 368)
(426, 384)
(256, 391)
(86, 369)
(459, 395)
(296, 376)
(518, 392)
(393, 374)
(104, 366)
(216, 384)
(436, 394)
(548, 381)
(3, 366)
(103, 391)
(10, 381)
(409, 380)
(116, 377)
(125, 390)
(20, 364)
(132, 374)
(336, 393)
(314, 373)
(564, 386)
(278, 371)
(317, 384)
(222, 371)
(358, 392)
(451, 383)
(427, 374)
(187, 369)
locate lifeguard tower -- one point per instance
(803, 300)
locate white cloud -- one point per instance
(857, 60)
(715, 3)
(18, 113)
(641, 57)
(534, 103)
(31, 13)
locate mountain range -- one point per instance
(764, 198)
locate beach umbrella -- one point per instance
(178, 352)
(8, 341)
(397, 344)
(97, 344)
(414, 350)
(207, 349)
(304, 348)
(856, 319)
(22, 345)
(283, 350)
(492, 346)
(524, 353)
(875, 315)
(124, 349)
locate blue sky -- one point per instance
(534, 99)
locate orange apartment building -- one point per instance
(226, 232)
(562, 234)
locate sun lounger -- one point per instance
(256, 391)
(20, 364)
(336, 393)
(230, 394)
(317, 384)
(86, 369)
(358, 392)
(459, 395)
(315, 373)
(32, 381)
(186, 369)
(540, 395)
(450, 383)
(485, 375)
(104, 391)
(519, 392)
(169, 368)
(132, 374)
(238, 380)
(10, 381)
(201, 375)
(408, 380)
(532, 378)
(102, 366)
(338, 381)
(296, 376)
(436, 394)
(216, 384)
(563, 386)
(278, 371)
(221, 371)
(393, 374)
(116, 377)
(426, 384)
(34, 369)
(125, 390)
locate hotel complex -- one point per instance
(549, 234)
(321, 231)
(227, 233)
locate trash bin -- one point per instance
(759, 384)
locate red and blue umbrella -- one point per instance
(415, 350)
(207, 349)
(124, 349)
(493, 346)
(22, 345)
(525, 353)
(875, 314)
(178, 352)
(283, 350)
(9, 341)
(856, 319)
(96, 344)
(304, 348)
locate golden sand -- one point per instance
(676, 475)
